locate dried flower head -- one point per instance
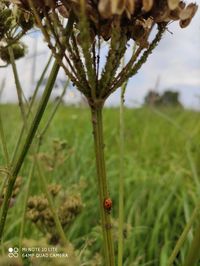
(19, 51)
(40, 214)
(13, 26)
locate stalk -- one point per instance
(18, 85)
(33, 99)
(184, 235)
(102, 185)
(193, 254)
(121, 179)
(31, 133)
(25, 205)
(3, 142)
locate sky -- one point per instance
(174, 64)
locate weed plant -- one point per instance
(74, 32)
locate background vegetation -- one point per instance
(161, 179)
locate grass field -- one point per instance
(162, 185)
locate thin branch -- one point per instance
(121, 176)
(86, 48)
(18, 85)
(131, 72)
(184, 235)
(4, 145)
(33, 99)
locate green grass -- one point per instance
(162, 167)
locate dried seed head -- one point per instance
(99, 11)
(54, 189)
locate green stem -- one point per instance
(3, 141)
(33, 99)
(53, 112)
(121, 179)
(25, 204)
(102, 185)
(18, 85)
(194, 254)
(183, 236)
(31, 133)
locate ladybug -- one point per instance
(108, 204)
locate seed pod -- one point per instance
(147, 5)
(184, 23)
(188, 12)
(130, 8)
(118, 6)
(173, 4)
(105, 8)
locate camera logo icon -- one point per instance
(13, 252)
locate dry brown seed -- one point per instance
(130, 8)
(182, 5)
(118, 6)
(184, 23)
(105, 8)
(147, 5)
(16, 2)
(188, 12)
(173, 4)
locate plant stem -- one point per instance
(193, 254)
(25, 204)
(183, 236)
(33, 99)
(31, 133)
(4, 145)
(102, 185)
(18, 85)
(121, 179)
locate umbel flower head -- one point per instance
(12, 27)
(90, 22)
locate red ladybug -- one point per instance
(108, 204)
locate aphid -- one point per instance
(108, 204)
